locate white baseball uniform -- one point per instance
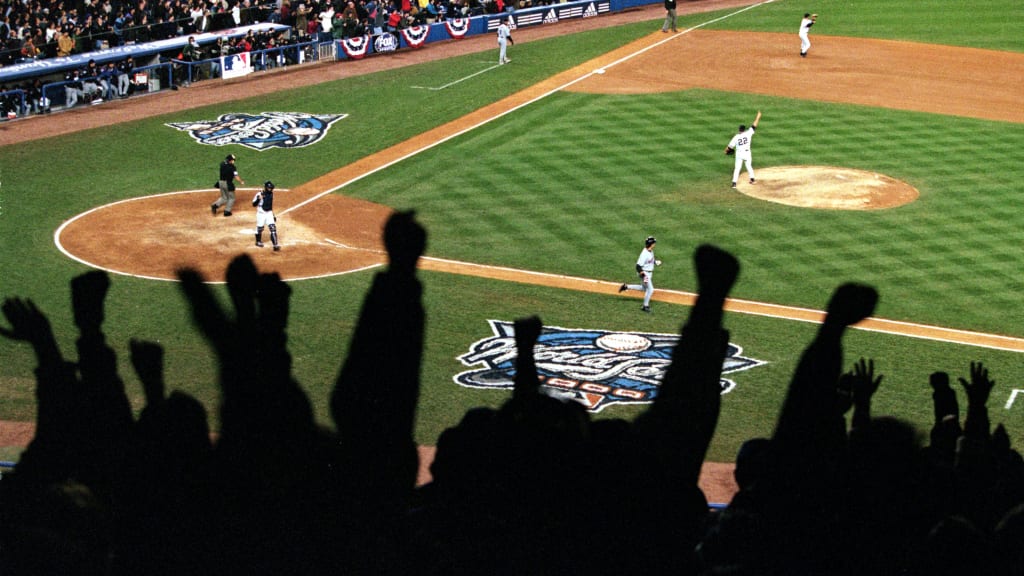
(741, 144)
(504, 32)
(805, 42)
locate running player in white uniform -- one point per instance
(264, 203)
(740, 146)
(805, 27)
(645, 270)
(504, 39)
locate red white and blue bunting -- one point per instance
(457, 27)
(356, 46)
(416, 36)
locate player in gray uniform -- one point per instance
(645, 270)
(740, 146)
(504, 39)
(264, 203)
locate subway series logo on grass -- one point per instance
(597, 368)
(261, 131)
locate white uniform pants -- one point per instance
(742, 158)
(502, 47)
(805, 43)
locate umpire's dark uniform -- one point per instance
(226, 184)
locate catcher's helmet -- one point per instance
(650, 240)
(268, 185)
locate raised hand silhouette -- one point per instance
(864, 387)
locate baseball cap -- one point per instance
(230, 157)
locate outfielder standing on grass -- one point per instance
(264, 203)
(226, 183)
(504, 39)
(805, 27)
(740, 146)
(645, 270)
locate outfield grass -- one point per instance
(571, 185)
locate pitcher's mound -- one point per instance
(829, 187)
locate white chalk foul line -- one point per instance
(463, 79)
(748, 307)
(510, 110)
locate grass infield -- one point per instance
(571, 185)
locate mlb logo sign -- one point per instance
(236, 65)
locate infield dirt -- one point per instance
(899, 75)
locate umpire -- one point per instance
(226, 184)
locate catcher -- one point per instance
(264, 203)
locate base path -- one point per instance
(900, 75)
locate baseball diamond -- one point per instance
(916, 89)
(326, 232)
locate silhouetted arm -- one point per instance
(689, 401)
(978, 389)
(527, 333)
(809, 428)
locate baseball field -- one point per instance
(889, 156)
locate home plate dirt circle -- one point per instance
(156, 236)
(829, 187)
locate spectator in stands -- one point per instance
(302, 19)
(394, 21)
(65, 43)
(216, 51)
(326, 18)
(29, 51)
(190, 54)
(338, 26)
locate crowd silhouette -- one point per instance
(533, 487)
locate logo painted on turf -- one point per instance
(261, 131)
(597, 368)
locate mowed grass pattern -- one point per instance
(571, 185)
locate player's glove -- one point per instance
(729, 151)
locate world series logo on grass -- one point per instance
(597, 368)
(261, 131)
